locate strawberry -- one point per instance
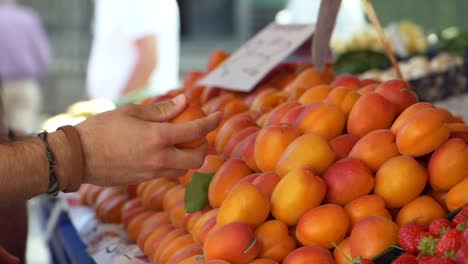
(449, 243)
(434, 260)
(462, 216)
(462, 254)
(405, 259)
(409, 237)
(438, 227)
(427, 244)
(366, 261)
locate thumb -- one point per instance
(160, 112)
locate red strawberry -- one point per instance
(449, 243)
(366, 261)
(462, 254)
(440, 226)
(410, 236)
(462, 216)
(406, 259)
(435, 260)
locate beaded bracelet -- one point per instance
(53, 189)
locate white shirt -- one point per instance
(118, 24)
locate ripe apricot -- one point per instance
(270, 143)
(371, 236)
(308, 150)
(407, 114)
(172, 247)
(457, 196)
(364, 206)
(349, 81)
(343, 144)
(220, 244)
(322, 119)
(315, 94)
(448, 165)
(245, 203)
(422, 210)
(276, 243)
(308, 255)
(231, 127)
(263, 261)
(296, 193)
(399, 180)
(375, 148)
(323, 226)
(185, 253)
(225, 178)
(171, 236)
(343, 98)
(152, 242)
(342, 253)
(398, 92)
(277, 114)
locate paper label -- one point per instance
(251, 62)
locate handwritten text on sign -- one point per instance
(251, 62)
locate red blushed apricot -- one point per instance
(407, 114)
(235, 140)
(277, 114)
(221, 245)
(343, 98)
(399, 93)
(308, 255)
(230, 128)
(343, 144)
(370, 112)
(322, 119)
(347, 80)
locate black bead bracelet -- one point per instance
(53, 189)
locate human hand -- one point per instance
(134, 143)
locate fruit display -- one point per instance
(309, 167)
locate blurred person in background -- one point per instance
(24, 57)
(135, 50)
(24, 60)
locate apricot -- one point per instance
(323, 226)
(169, 238)
(172, 196)
(176, 213)
(150, 224)
(128, 215)
(422, 210)
(245, 151)
(221, 245)
(371, 236)
(185, 253)
(263, 261)
(291, 116)
(375, 148)
(275, 241)
(463, 135)
(369, 88)
(152, 242)
(306, 79)
(398, 92)
(296, 193)
(370, 112)
(152, 187)
(322, 119)
(201, 223)
(342, 253)
(408, 113)
(193, 94)
(347, 80)
(270, 143)
(135, 225)
(225, 178)
(174, 246)
(217, 57)
(315, 94)
(245, 203)
(346, 180)
(448, 165)
(209, 93)
(266, 101)
(457, 196)
(399, 180)
(343, 98)
(192, 77)
(235, 140)
(343, 144)
(191, 112)
(231, 127)
(439, 197)
(423, 133)
(308, 255)
(364, 206)
(275, 116)
(266, 182)
(110, 210)
(308, 150)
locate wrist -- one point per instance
(62, 155)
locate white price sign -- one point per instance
(251, 62)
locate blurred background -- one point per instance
(205, 25)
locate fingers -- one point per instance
(174, 133)
(158, 112)
(187, 158)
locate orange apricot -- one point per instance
(422, 210)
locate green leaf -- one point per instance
(196, 193)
